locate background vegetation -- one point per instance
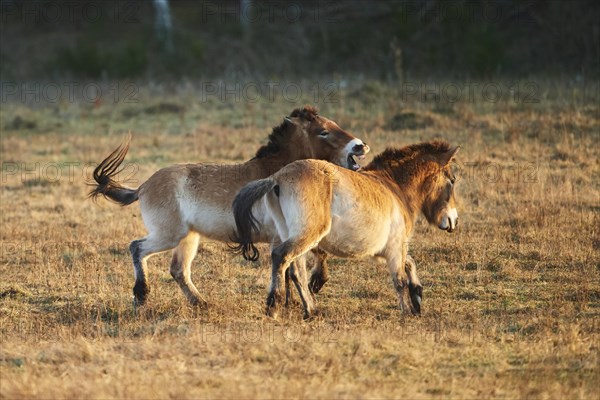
(449, 39)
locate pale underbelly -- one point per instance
(346, 240)
(219, 225)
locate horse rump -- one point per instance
(245, 221)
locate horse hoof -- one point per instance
(416, 304)
(271, 312)
(272, 305)
(140, 292)
(316, 283)
(138, 302)
(198, 303)
(416, 297)
(311, 315)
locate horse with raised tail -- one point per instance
(182, 202)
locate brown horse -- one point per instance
(350, 214)
(181, 202)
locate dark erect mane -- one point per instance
(404, 164)
(406, 153)
(281, 132)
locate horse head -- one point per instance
(306, 134)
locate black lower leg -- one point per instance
(317, 281)
(288, 288)
(320, 273)
(140, 289)
(403, 290)
(277, 259)
(416, 296)
(299, 288)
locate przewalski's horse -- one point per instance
(181, 202)
(350, 214)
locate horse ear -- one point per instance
(447, 157)
(291, 120)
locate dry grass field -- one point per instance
(511, 300)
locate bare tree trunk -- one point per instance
(163, 24)
(246, 7)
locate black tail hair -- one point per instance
(245, 222)
(104, 173)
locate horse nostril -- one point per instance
(358, 147)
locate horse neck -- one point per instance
(409, 194)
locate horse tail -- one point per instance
(245, 221)
(104, 173)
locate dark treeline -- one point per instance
(249, 38)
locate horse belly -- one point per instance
(211, 221)
(355, 238)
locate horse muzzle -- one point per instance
(356, 150)
(449, 220)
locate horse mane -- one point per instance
(280, 133)
(401, 163)
(404, 154)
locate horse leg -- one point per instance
(288, 293)
(140, 289)
(401, 282)
(281, 257)
(320, 273)
(299, 277)
(181, 268)
(141, 250)
(288, 287)
(415, 289)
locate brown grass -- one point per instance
(511, 300)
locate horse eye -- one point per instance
(323, 133)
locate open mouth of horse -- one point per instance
(357, 153)
(353, 161)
